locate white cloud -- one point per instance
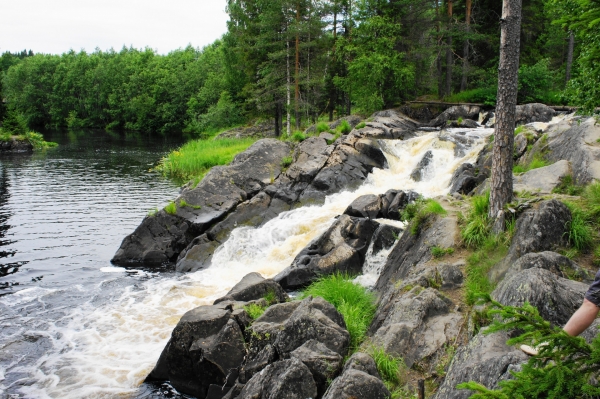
(55, 26)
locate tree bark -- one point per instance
(570, 56)
(465, 71)
(288, 89)
(508, 76)
(449, 56)
(297, 70)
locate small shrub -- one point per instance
(361, 125)
(322, 127)
(597, 255)
(354, 302)
(286, 162)
(580, 233)
(460, 120)
(298, 136)
(270, 297)
(439, 252)
(152, 212)
(344, 127)
(254, 310)
(171, 209)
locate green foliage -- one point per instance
(354, 302)
(391, 369)
(322, 127)
(183, 203)
(286, 162)
(580, 231)
(361, 125)
(520, 129)
(37, 141)
(171, 208)
(535, 82)
(224, 113)
(477, 227)
(196, 157)
(299, 137)
(486, 96)
(335, 137)
(254, 310)
(419, 211)
(14, 123)
(344, 127)
(439, 252)
(490, 252)
(562, 369)
(567, 186)
(537, 162)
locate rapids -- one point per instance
(100, 338)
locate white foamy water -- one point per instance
(105, 347)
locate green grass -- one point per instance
(519, 130)
(254, 310)
(354, 302)
(417, 212)
(391, 369)
(344, 127)
(486, 96)
(568, 186)
(537, 162)
(439, 252)
(361, 125)
(580, 230)
(322, 127)
(171, 209)
(477, 226)
(286, 162)
(35, 139)
(299, 136)
(195, 158)
(183, 203)
(492, 250)
(335, 137)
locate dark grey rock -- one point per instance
(257, 363)
(543, 180)
(323, 363)
(451, 276)
(357, 384)
(309, 158)
(366, 206)
(341, 248)
(286, 379)
(463, 180)
(465, 123)
(541, 229)
(420, 171)
(206, 342)
(454, 113)
(556, 263)
(418, 325)
(535, 112)
(362, 362)
(384, 237)
(14, 146)
(556, 298)
(197, 255)
(485, 360)
(254, 286)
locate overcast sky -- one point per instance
(56, 26)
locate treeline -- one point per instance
(297, 60)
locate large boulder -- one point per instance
(286, 379)
(309, 158)
(555, 297)
(387, 206)
(556, 263)
(541, 229)
(205, 347)
(384, 237)
(535, 112)
(454, 113)
(359, 379)
(486, 359)
(341, 248)
(323, 363)
(420, 171)
(160, 238)
(543, 180)
(288, 326)
(254, 286)
(464, 179)
(418, 325)
(14, 146)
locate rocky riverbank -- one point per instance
(300, 348)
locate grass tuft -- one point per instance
(286, 162)
(391, 369)
(344, 127)
(567, 186)
(417, 212)
(171, 209)
(476, 229)
(492, 250)
(322, 127)
(299, 137)
(254, 310)
(361, 125)
(195, 158)
(439, 252)
(580, 232)
(354, 302)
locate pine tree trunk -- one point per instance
(297, 69)
(508, 74)
(288, 90)
(570, 55)
(449, 57)
(465, 71)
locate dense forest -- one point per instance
(303, 59)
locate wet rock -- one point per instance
(418, 325)
(543, 180)
(384, 237)
(420, 171)
(454, 113)
(537, 230)
(13, 146)
(287, 326)
(463, 180)
(354, 383)
(488, 119)
(556, 298)
(534, 112)
(465, 123)
(551, 261)
(341, 248)
(205, 346)
(162, 237)
(286, 379)
(309, 158)
(366, 206)
(254, 286)
(197, 255)
(485, 359)
(323, 363)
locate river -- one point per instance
(72, 325)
